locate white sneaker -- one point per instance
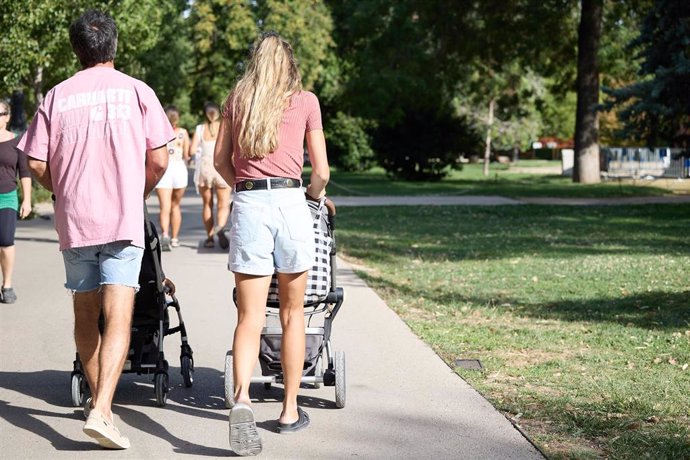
(104, 431)
(87, 407)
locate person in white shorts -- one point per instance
(208, 180)
(266, 119)
(171, 187)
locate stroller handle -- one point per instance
(331, 207)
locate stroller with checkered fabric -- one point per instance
(322, 301)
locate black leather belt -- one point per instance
(264, 184)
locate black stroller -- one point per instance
(322, 301)
(150, 325)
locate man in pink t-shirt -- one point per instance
(98, 142)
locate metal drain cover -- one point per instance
(470, 364)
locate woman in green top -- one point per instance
(12, 162)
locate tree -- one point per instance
(308, 26)
(656, 109)
(494, 54)
(586, 168)
(222, 33)
(393, 82)
(35, 44)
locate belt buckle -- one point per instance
(249, 185)
(289, 182)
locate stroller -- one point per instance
(322, 301)
(150, 325)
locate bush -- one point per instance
(424, 146)
(349, 144)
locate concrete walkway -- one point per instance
(493, 200)
(402, 400)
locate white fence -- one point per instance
(643, 162)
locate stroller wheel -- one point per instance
(339, 379)
(161, 388)
(78, 389)
(187, 370)
(228, 383)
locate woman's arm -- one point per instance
(185, 146)
(195, 142)
(320, 172)
(25, 207)
(222, 154)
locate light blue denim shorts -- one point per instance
(271, 231)
(89, 267)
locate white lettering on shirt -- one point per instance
(115, 100)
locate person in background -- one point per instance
(98, 142)
(266, 119)
(172, 185)
(208, 180)
(12, 163)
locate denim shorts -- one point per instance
(89, 267)
(271, 231)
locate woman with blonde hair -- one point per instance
(266, 119)
(208, 180)
(13, 163)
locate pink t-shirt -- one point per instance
(93, 129)
(303, 115)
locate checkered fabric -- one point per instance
(319, 277)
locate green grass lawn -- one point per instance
(470, 181)
(580, 315)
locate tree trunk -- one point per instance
(38, 86)
(586, 167)
(487, 151)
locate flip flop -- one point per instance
(209, 242)
(244, 438)
(223, 241)
(301, 423)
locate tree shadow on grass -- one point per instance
(456, 233)
(500, 182)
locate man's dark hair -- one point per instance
(94, 38)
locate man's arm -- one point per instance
(156, 164)
(41, 172)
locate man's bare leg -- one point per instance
(87, 309)
(118, 304)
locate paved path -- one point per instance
(422, 200)
(493, 200)
(628, 200)
(402, 400)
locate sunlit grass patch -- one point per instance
(580, 316)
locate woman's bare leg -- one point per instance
(164, 198)
(291, 288)
(207, 209)
(251, 315)
(175, 212)
(7, 256)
